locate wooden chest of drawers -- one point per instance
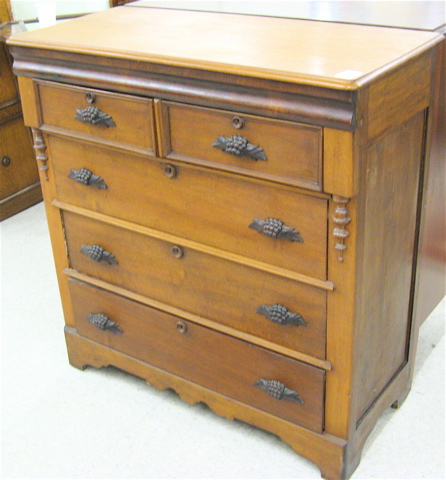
(235, 218)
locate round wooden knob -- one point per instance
(181, 327)
(238, 122)
(177, 251)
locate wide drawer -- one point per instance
(199, 204)
(287, 152)
(222, 363)
(128, 119)
(204, 285)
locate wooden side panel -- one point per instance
(399, 96)
(432, 265)
(386, 272)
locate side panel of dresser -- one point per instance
(19, 178)
(375, 283)
(432, 267)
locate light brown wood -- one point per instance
(85, 352)
(182, 241)
(166, 237)
(155, 338)
(219, 327)
(5, 11)
(171, 205)
(301, 144)
(341, 171)
(200, 284)
(222, 40)
(399, 96)
(60, 104)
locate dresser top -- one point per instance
(335, 55)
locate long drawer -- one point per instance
(123, 119)
(205, 285)
(199, 204)
(277, 150)
(214, 360)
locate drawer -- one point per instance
(287, 152)
(131, 118)
(199, 204)
(201, 355)
(211, 287)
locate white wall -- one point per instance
(27, 9)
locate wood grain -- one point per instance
(153, 337)
(199, 283)
(151, 35)
(199, 204)
(133, 116)
(300, 144)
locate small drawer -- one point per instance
(285, 152)
(213, 288)
(201, 355)
(199, 204)
(106, 116)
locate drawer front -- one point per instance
(198, 204)
(124, 119)
(201, 284)
(222, 363)
(287, 152)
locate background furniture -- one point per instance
(241, 228)
(19, 179)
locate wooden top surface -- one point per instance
(335, 55)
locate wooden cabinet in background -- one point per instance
(19, 177)
(235, 215)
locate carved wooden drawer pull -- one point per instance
(86, 177)
(239, 147)
(278, 390)
(102, 322)
(98, 254)
(274, 228)
(91, 115)
(280, 314)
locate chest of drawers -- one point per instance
(237, 216)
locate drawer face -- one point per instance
(201, 284)
(292, 152)
(222, 363)
(132, 116)
(199, 204)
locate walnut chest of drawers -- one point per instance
(236, 215)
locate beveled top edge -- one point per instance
(327, 55)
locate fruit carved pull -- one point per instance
(341, 218)
(86, 177)
(91, 115)
(239, 147)
(280, 314)
(274, 228)
(102, 322)
(98, 254)
(278, 390)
